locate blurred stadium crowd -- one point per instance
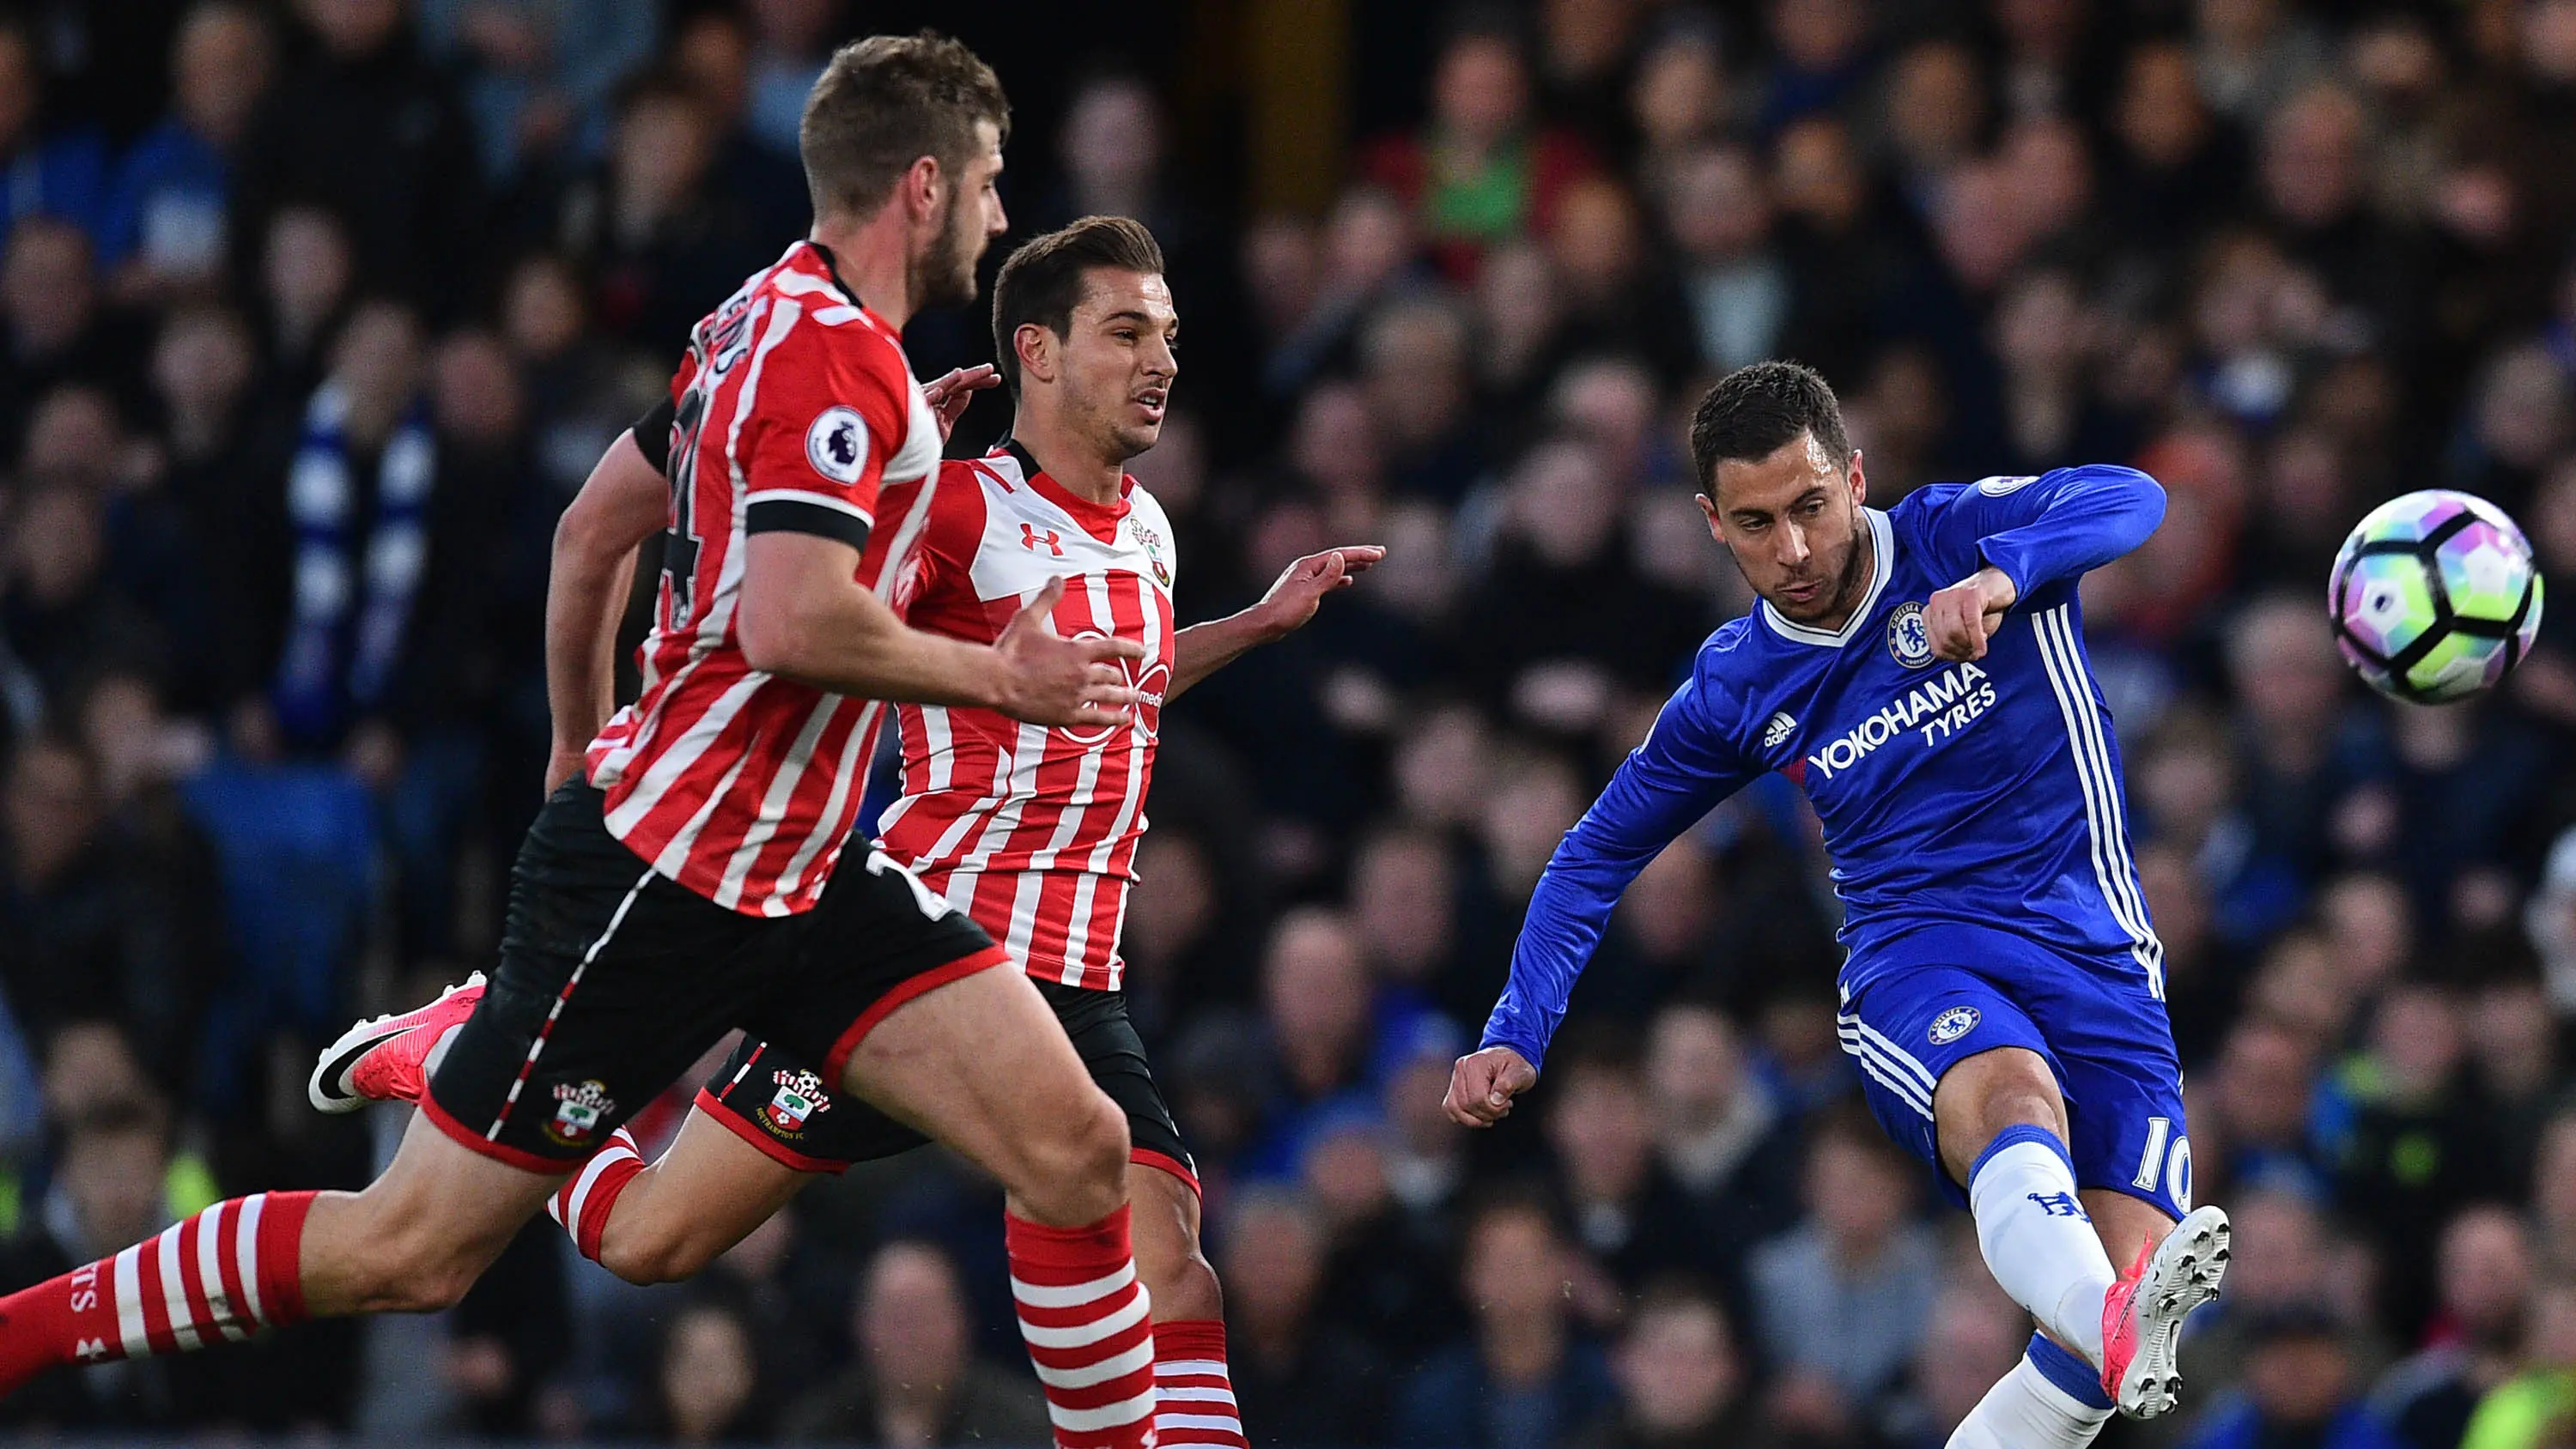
(313, 315)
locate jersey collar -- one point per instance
(832, 269)
(1882, 563)
(1099, 520)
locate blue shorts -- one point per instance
(1910, 1014)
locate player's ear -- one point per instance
(1708, 510)
(1859, 484)
(920, 189)
(1036, 348)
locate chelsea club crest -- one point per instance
(1907, 636)
(1953, 1024)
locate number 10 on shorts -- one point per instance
(2169, 1165)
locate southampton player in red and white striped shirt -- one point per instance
(1029, 829)
(794, 409)
(688, 885)
(1032, 830)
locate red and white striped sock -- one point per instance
(220, 1276)
(1193, 1395)
(583, 1204)
(1090, 1330)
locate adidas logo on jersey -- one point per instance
(1940, 706)
(1777, 732)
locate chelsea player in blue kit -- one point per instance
(1920, 674)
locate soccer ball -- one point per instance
(2434, 597)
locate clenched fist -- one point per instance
(1959, 619)
(1483, 1084)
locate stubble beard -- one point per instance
(945, 276)
(1845, 595)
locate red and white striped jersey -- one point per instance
(793, 409)
(1030, 830)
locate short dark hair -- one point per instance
(1042, 281)
(1756, 408)
(886, 102)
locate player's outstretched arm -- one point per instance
(804, 615)
(624, 502)
(1202, 649)
(1685, 767)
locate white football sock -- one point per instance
(2050, 1400)
(2037, 1239)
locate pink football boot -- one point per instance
(389, 1059)
(2143, 1313)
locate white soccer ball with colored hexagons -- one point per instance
(2434, 597)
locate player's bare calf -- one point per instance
(417, 1237)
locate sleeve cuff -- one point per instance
(1494, 1037)
(2010, 567)
(653, 436)
(822, 517)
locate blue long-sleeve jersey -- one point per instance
(1979, 795)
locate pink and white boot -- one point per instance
(2143, 1313)
(389, 1059)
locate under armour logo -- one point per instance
(2059, 1205)
(1030, 538)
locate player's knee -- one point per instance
(2020, 1105)
(1079, 1163)
(2000, 1090)
(1096, 1151)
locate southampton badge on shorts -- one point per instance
(1953, 1024)
(1907, 636)
(578, 1110)
(800, 1095)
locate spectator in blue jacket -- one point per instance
(42, 174)
(168, 217)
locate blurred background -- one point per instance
(1450, 280)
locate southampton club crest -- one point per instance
(579, 1109)
(1153, 545)
(800, 1096)
(1953, 1024)
(1908, 638)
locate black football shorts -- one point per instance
(771, 1099)
(613, 981)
